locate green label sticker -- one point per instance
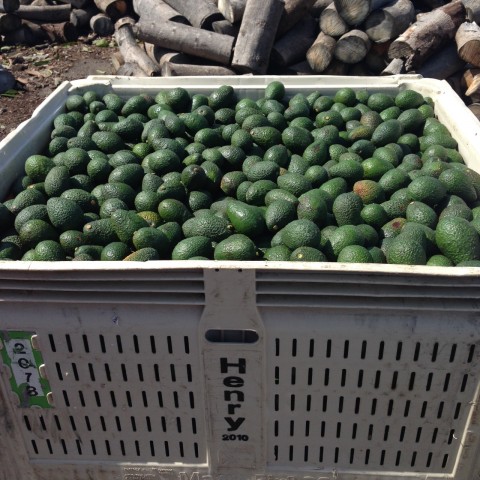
(24, 362)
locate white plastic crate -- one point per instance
(227, 370)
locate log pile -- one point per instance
(435, 38)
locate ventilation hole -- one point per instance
(386, 432)
(335, 456)
(85, 343)
(294, 347)
(169, 344)
(149, 424)
(311, 348)
(397, 458)
(320, 455)
(27, 423)
(276, 402)
(59, 371)
(382, 457)
(57, 422)
(307, 428)
(79, 446)
(117, 422)
(440, 410)
(357, 405)
(327, 375)
(329, 349)
(464, 383)
(167, 450)
(424, 410)
(92, 372)
(445, 460)
(194, 426)
(129, 398)
(411, 382)
(322, 429)
(64, 446)
(429, 381)
(275, 452)
(42, 423)
(144, 398)
(377, 379)
(471, 352)
(107, 447)
(370, 432)
(407, 408)
(191, 398)
(107, 373)
(310, 376)
(324, 403)
(49, 446)
(451, 436)
(292, 402)
(402, 434)
(112, 397)
(179, 425)
(435, 352)
(87, 423)
(102, 422)
(134, 425)
(367, 456)
(140, 372)
(290, 453)
(152, 448)
(414, 458)
(354, 431)
(309, 403)
(69, 343)
(394, 380)
(305, 453)
(153, 347)
(172, 372)
(446, 382)
(175, 400)
(102, 345)
(160, 400)
(277, 347)
(429, 459)
(416, 354)
(292, 428)
(82, 400)
(180, 445)
(340, 405)
(122, 447)
(275, 428)
(293, 376)
(352, 455)
(65, 398)
(398, 355)
(457, 411)
(374, 406)
(92, 445)
(345, 349)
(164, 424)
(53, 348)
(137, 448)
(124, 372)
(339, 429)
(434, 435)
(419, 434)
(363, 351)
(343, 379)
(34, 445)
(156, 372)
(381, 348)
(189, 373)
(452, 353)
(360, 379)
(186, 345)
(75, 372)
(119, 344)
(72, 423)
(136, 347)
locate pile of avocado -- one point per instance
(351, 176)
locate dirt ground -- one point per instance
(40, 69)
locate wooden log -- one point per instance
(60, 32)
(171, 69)
(320, 54)
(432, 4)
(200, 13)
(374, 62)
(115, 9)
(9, 23)
(331, 23)
(155, 52)
(352, 47)
(475, 109)
(336, 67)
(131, 51)
(430, 32)
(131, 69)
(175, 36)
(472, 9)
(318, 7)
(83, 4)
(25, 35)
(225, 28)
(395, 67)
(9, 6)
(471, 81)
(232, 10)
(390, 21)
(50, 14)
(102, 25)
(443, 64)
(355, 12)
(467, 39)
(80, 17)
(294, 11)
(157, 10)
(300, 68)
(257, 35)
(293, 46)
